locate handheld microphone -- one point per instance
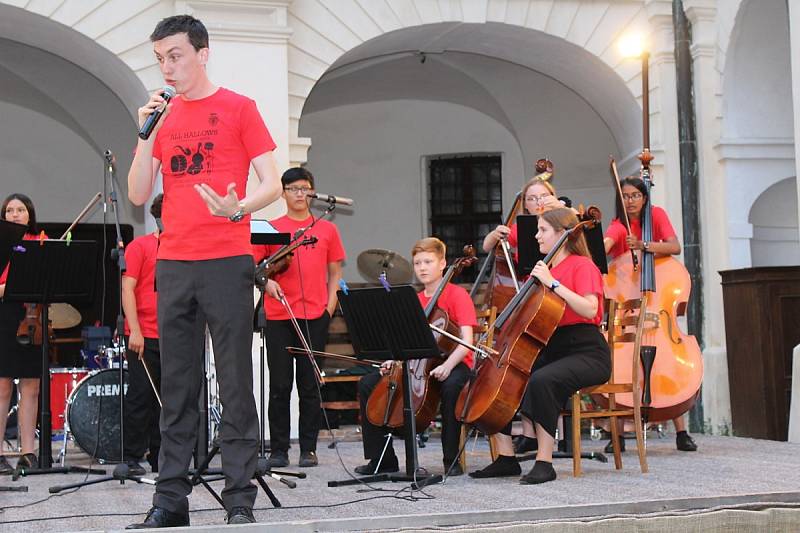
(147, 128)
(331, 199)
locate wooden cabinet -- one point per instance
(762, 326)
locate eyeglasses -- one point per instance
(537, 198)
(295, 190)
(634, 196)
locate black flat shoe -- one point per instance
(240, 515)
(685, 443)
(503, 466)
(610, 446)
(27, 461)
(160, 517)
(542, 472)
(523, 444)
(308, 459)
(454, 471)
(388, 465)
(278, 460)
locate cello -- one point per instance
(671, 360)
(385, 404)
(498, 381)
(503, 283)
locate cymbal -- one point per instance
(372, 262)
(63, 316)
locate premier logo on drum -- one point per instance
(111, 389)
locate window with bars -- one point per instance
(465, 203)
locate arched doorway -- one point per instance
(385, 108)
(757, 145)
(65, 100)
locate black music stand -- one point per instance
(391, 325)
(46, 272)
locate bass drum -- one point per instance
(93, 414)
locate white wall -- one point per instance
(379, 163)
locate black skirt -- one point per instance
(16, 360)
(577, 356)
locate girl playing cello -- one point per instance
(576, 356)
(617, 242)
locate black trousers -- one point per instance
(141, 405)
(284, 369)
(373, 436)
(222, 290)
(576, 356)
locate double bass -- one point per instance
(385, 404)
(498, 381)
(671, 360)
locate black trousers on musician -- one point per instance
(374, 437)
(141, 405)
(284, 369)
(222, 290)
(576, 356)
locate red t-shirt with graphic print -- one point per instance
(305, 282)
(455, 301)
(140, 258)
(210, 140)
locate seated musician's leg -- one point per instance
(373, 437)
(451, 428)
(506, 463)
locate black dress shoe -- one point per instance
(542, 472)
(610, 446)
(523, 444)
(134, 468)
(388, 465)
(455, 470)
(278, 459)
(503, 466)
(160, 517)
(240, 515)
(308, 459)
(684, 442)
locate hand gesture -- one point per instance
(441, 372)
(634, 243)
(386, 367)
(219, 206)
(136, 343)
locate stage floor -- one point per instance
(725, 472)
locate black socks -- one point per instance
(541, 472)
(500, 467)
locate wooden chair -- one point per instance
(485, 320)
(626, 322)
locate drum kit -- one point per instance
(84, 401)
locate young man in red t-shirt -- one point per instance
(428, 257)
(309, 287)
(142, 411)
(204, 145)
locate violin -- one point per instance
(279, 262)
(672, 362)
(498, 381)
(30, 331)
(385, 404)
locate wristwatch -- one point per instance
(238, 215)
(645, 245)
(556, 284)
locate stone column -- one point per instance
(713, 213)
(794, 43)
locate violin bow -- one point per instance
(303, 340)
(86, 209)
(618, 188)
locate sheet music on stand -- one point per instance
(391, 325)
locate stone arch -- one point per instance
(323, 38)
(773, 216)
(757, 144)
(70, 98)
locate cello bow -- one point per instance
(615, 178)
